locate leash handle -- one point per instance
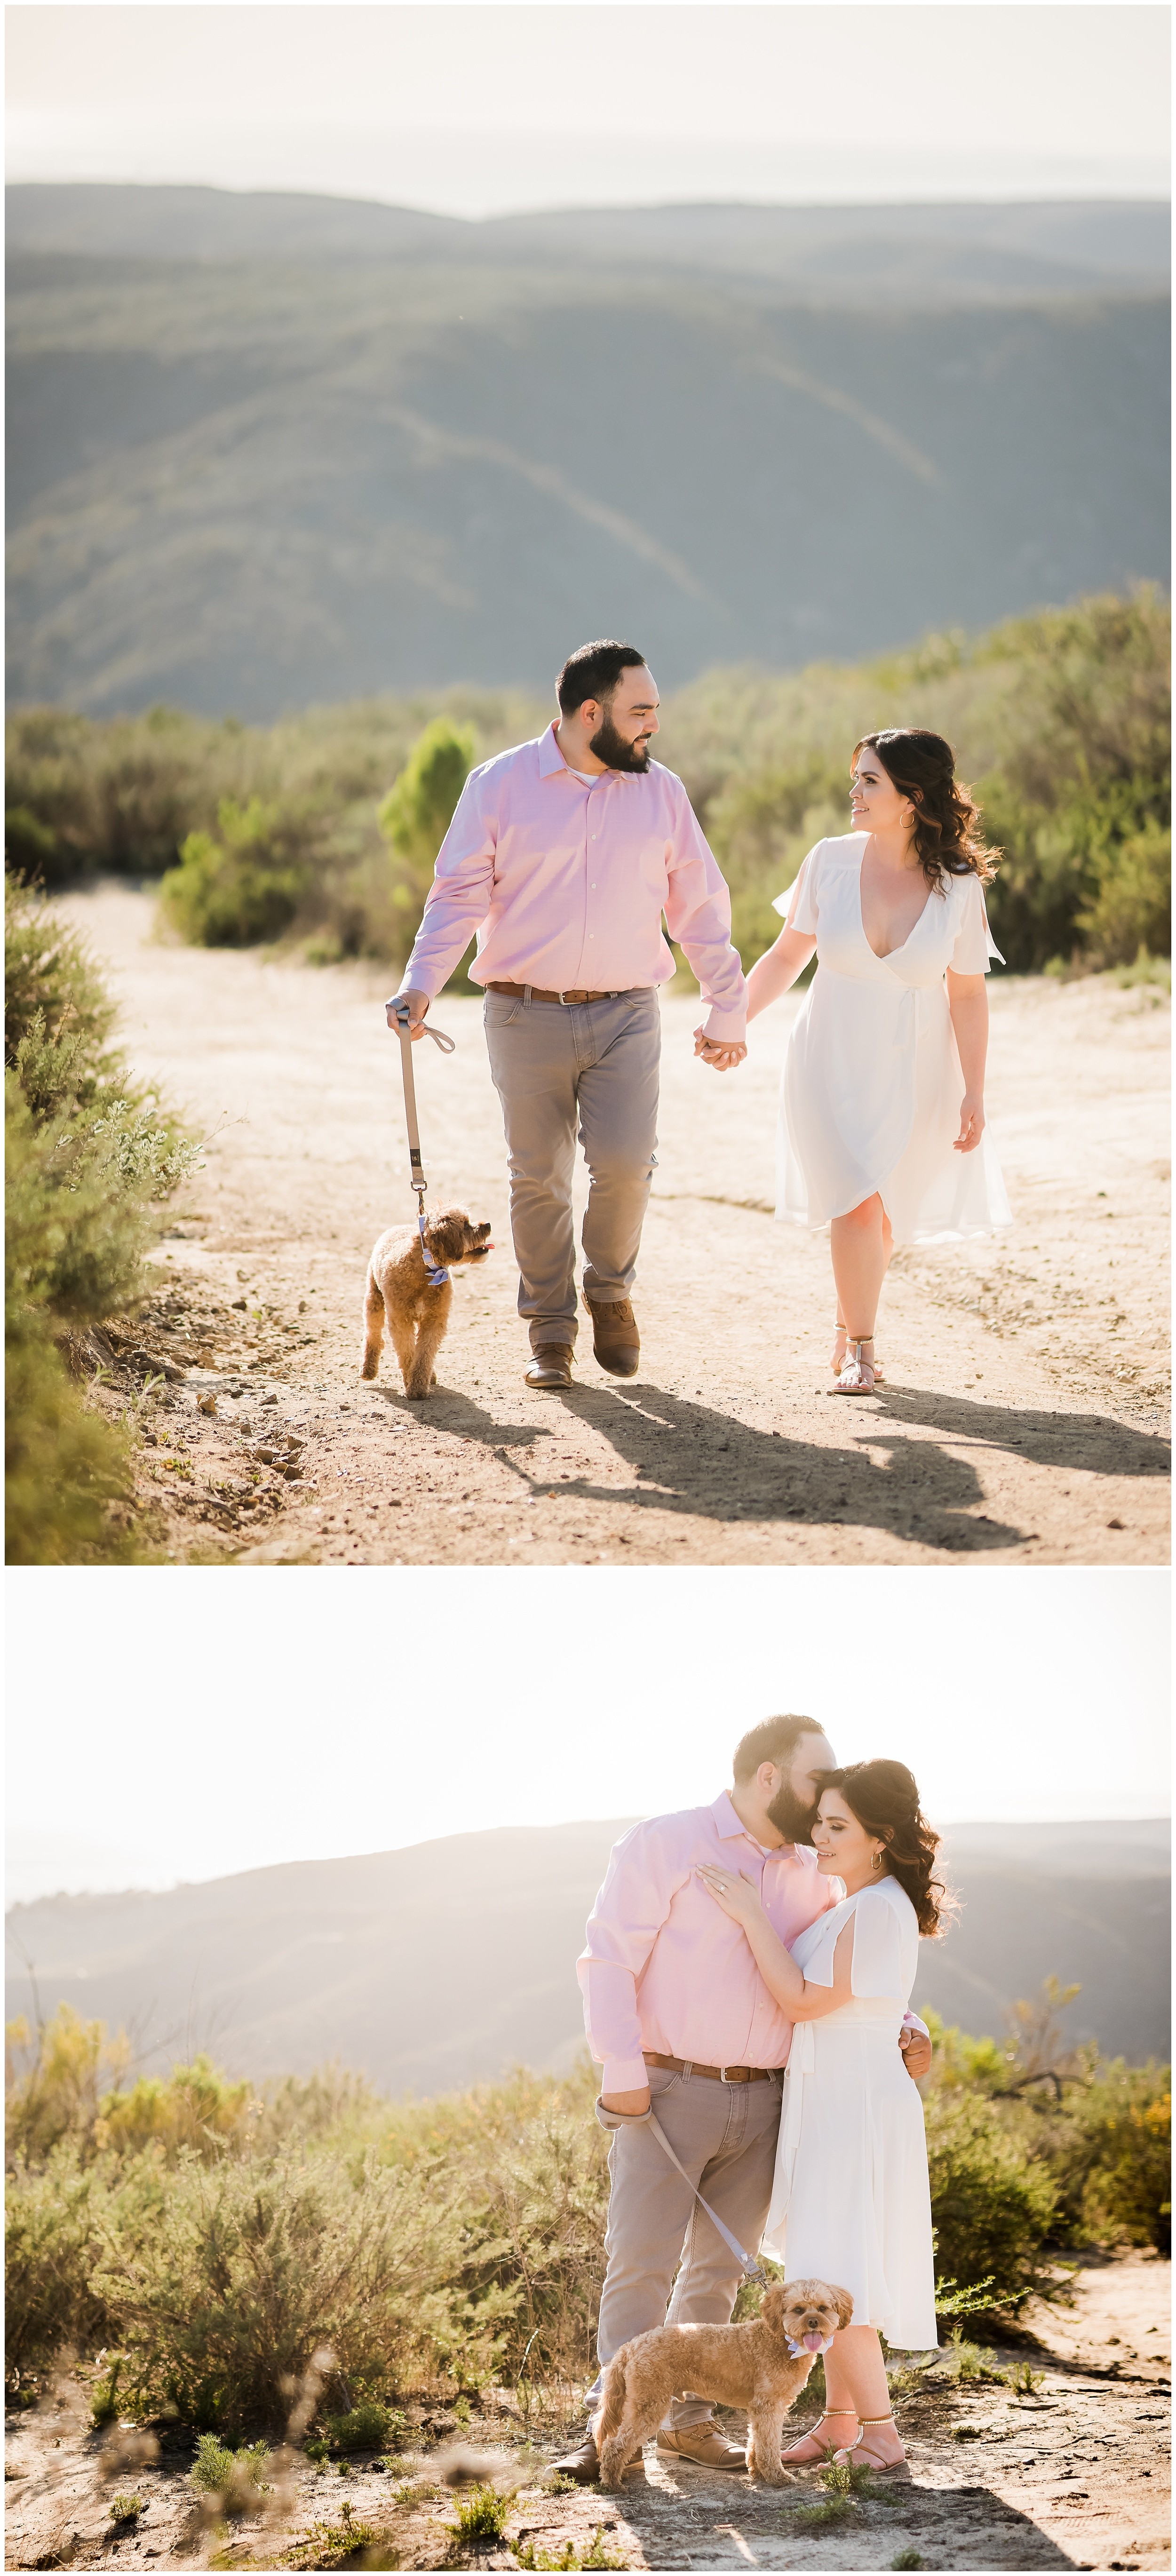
(437, 1278)
(754, 2271)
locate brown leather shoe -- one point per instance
(582, 2465)
(616, 1342)
(550, 1365)
(703, 2445)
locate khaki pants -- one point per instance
(725, 2135)
(561, 1068)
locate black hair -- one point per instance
(593, 671)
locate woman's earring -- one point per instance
(876, 1863)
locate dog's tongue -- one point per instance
(813, 2342)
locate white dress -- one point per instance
(872, 1079)
(851, 2201)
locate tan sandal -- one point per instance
(859, 2455)
(823, 2450)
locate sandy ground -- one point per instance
(1070, 2473)
(1023, 1420)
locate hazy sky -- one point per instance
(483, 109)
(186, 1736)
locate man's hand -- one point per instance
(722, 1054)
(418, 1004)
(628, 2106)
(916, 2048)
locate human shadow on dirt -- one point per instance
(1091, 1441)
(970, 2526)
(700, 1463)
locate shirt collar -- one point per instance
(551, 760)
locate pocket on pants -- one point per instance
(501, 1010)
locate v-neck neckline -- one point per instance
(904, 943)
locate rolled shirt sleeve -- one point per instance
(459, 897)
(698, 916)
(629, 1912)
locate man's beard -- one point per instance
(791, 1818)
(611, 747)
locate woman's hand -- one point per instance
(736, 1895)
(971, 1123)
(719, 1053)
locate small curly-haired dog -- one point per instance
(762, 2365)
(398, 1293)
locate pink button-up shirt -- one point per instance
(566, 885)
(665, 1969)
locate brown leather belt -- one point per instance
(520, 991)
(719, 2074)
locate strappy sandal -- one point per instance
(858, 1376)
(859, 2455)
(837, 1362)
(824, 2450)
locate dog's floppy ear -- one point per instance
(772, 2306)
(446, 1235)
(843, 2303)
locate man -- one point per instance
(677, 2014)
(563, 855)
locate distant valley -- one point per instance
(265, 451)
(433, 1967)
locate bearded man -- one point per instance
(680, 2020)
(563, 855)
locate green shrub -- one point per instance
(1110, 2147)
(216, 2469)
(251, 2267)
(247, 883)
(483, 2514)
(54, 2238)
(90, 1157)
(125, 2508)
(993, 2207)
(364, 2428)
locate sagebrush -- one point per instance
(324, 827)
(212, 2239)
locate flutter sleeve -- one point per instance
(798, 903)
(975, 945)
(885, 1952)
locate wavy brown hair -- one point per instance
(884, 1797)
(947, 822)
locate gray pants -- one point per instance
(725, 2135)
(555, 1064)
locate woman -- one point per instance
(851, 2196)
(882, 1110)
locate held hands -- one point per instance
(418, 1004)
(722, 1054)
(916, 2049)
(971, 1123)
(737, 1896)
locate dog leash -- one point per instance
(754, 2271)
(436, 1277)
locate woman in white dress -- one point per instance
(882, 1111)
(851, 2201)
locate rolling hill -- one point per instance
(433, 1967)
(266, 450)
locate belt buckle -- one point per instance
(725, 2078)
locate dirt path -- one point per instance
(1069, 2472)
(1023, 1421)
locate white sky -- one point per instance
(486, 109)
(206, 1721)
